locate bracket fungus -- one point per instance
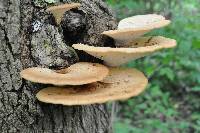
(140, 21)
(92, 83)
(77, 74)
(120, 84)
(136, 26)
(135, 49)
(59, 10)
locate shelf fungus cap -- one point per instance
(120, 84)
(136, 26)
(141, 21)
(135, 49)
(77, 74)
(59, 10)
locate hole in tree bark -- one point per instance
(74, 26)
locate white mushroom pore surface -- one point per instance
(135, 49)
(136, 26)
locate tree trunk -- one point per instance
(29, 37)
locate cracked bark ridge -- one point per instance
(29, 37)
(48, 49)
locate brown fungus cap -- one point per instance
(136, 26)
(121, 84)
(77, 74)
(59, 10)
(135, 49)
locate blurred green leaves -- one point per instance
(171, 103)
(168, 72)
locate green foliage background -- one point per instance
(171, 103)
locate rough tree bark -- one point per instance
(29, 37)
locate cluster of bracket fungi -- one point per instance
(89, 83)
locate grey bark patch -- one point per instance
(48, 49)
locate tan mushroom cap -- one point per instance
(135, 49)
(121, 84)
(59, 10)
(136, 26)
(140, 21)
(77, 74)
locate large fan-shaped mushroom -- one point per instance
(77, 74)
(135, 49)
(120, 84)
(136, 26)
